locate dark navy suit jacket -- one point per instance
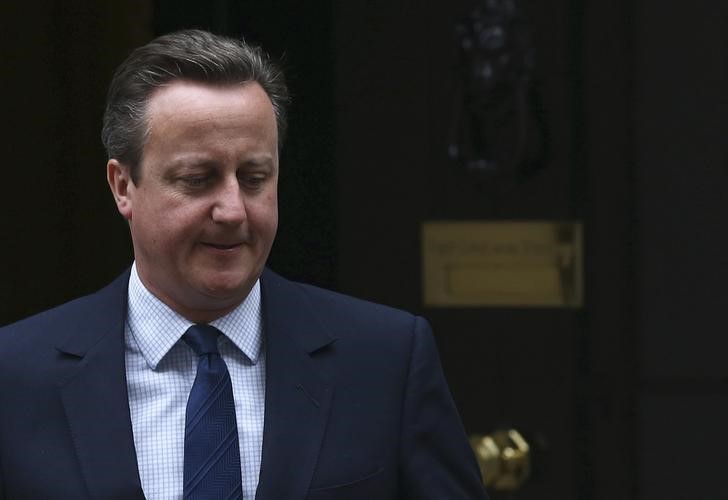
(356, 403)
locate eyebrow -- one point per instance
(203, 162)
(263, 161)
(190, 160)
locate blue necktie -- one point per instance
(212, 454)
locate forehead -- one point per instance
(230, 123)
(182, 99)
(184, 115)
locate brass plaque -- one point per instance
(502, 263)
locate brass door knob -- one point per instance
(504, 457)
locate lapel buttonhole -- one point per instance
(309, 396)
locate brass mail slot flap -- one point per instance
(502, 263)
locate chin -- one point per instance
(228, 290)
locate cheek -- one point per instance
(263, 211)
(170, 229)
(266, 218)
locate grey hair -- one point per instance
(191, 55)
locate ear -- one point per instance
(121, 185)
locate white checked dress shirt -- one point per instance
(160, 371)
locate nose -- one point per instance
(229, 207)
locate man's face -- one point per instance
(204, 212)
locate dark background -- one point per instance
(626, 397)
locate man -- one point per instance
(134, 391)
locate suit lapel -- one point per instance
(95, 399)
(298, 395)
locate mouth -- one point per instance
(223, 246)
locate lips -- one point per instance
(223, 246)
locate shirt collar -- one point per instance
(156, 327)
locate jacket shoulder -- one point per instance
(50, 325)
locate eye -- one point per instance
(252, 180)
(194, 181)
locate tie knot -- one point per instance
(202, 339)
